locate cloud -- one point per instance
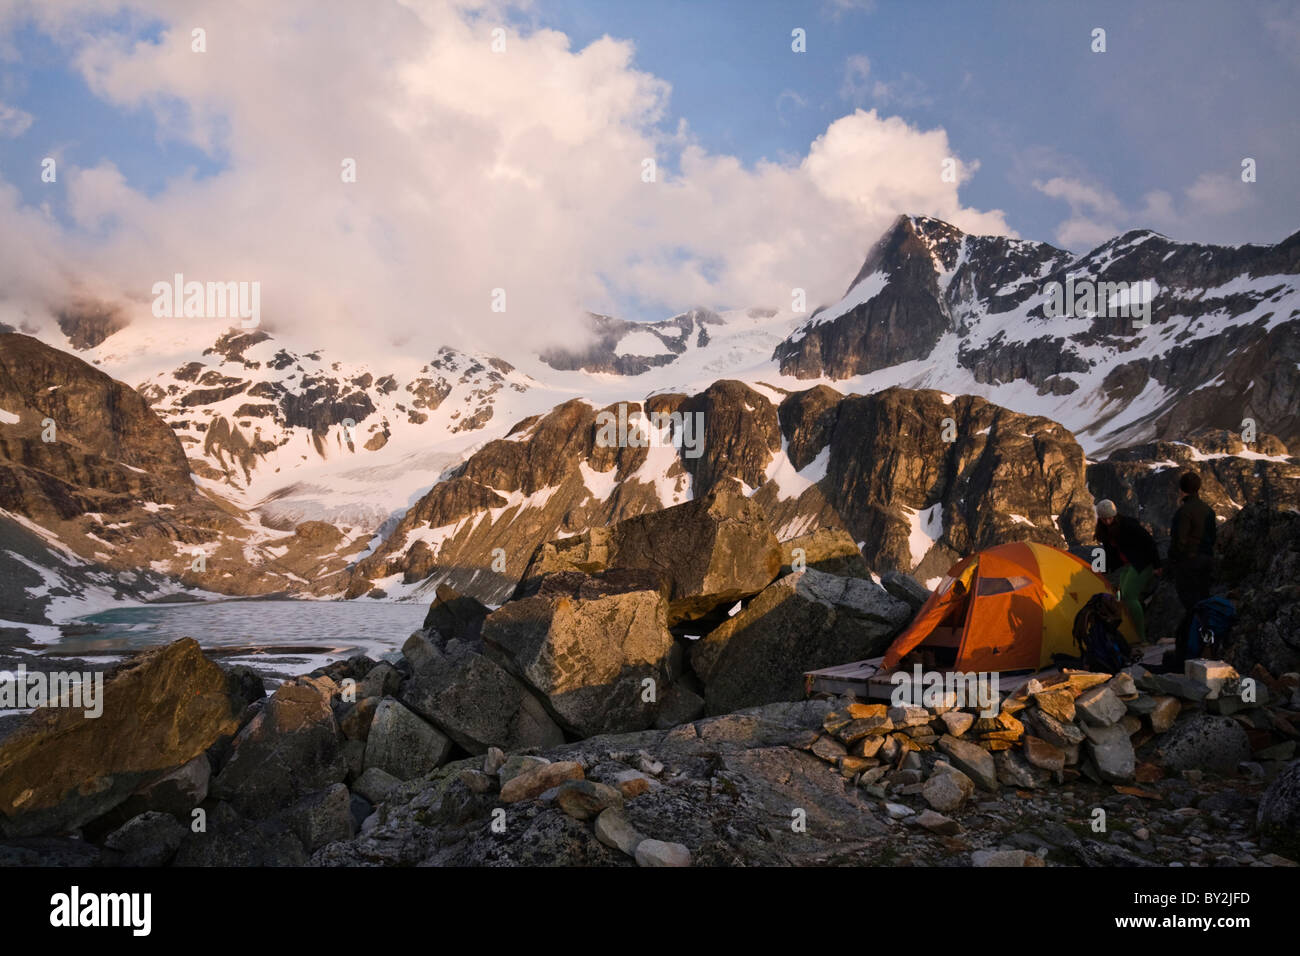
(1203, 209)
(794, 101)
(906, 92)
(837, 8)
(13, 121)
(520, 170)
(856, 70)
(1283, 24)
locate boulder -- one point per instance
(354, 719)
(1278, 818)
(233, 840)
(418, 650)
(799, 623)
(1112, 752)
(477, 703)
(291, 748)
(711, 551)
(678, 705)
(176, 792)
(375, 784)
(150, 839)
(454, 616)
(1100, 707)
(1056, 732)
(947, 790)
(518, 764)
(1041, 754)
(585, 799)
(381, 681)
(974, 761)
(1205, 742)
(161, 709)
(403, 744)
(906, 588)
(322, 817)
(587, 644)
(832, 550)
(537, 780)
(1057, 702)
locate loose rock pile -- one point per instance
(1135, 727)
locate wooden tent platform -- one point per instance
(866, 680)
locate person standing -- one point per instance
(1191, 553)
(1132, 553)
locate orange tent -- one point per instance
(1007, 608)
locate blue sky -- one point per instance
(1185, 87)
(777, 180)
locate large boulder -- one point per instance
(291, 748)
(827, 549)
(403, 744)
(161, 709)
(233, 840)
(1259, 557)
(477, 703)
(906, 588)
(1279, 812)
(799, 623)
(455, 616)
(1205, 742)
(711, 551)
(587, 643)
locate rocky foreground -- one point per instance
(630, 708)
(302, 777)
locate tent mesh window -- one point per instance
(1001, 585)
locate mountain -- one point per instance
(879, 466)
(935, 307)
(941, 404)
(89, 470)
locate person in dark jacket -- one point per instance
(1132, 554)
(1191, 553)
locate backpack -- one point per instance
(1096, 633)
(1210, 628)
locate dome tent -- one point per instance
(1007, 608)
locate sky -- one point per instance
(502, 147)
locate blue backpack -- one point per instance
(1210, 627)
(1097, 635)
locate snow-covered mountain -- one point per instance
(296, 433)
(320, 472)
(934, 308)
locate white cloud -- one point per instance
(476, 170)
(1096, 213)
(13, 121)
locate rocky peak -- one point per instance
(623, 347)
(88, 322)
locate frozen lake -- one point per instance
(278, 638)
